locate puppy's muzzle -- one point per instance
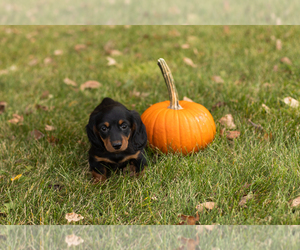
(116, 144)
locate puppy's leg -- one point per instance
(99, 171)
(137, 166)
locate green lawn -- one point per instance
(55, 174)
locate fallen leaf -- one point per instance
(3, 72)
(73, 217)
(70, 82)
(231, 135)
(295, 202)
(217, 79)
(209, 227)
(268, 136)
(16, 119)
(111, 61)
(38, 106)
(208, 205)
(16, 177)
(286, 60)
(188, 220)
(275, 68)
(218, 105)
(115, 52)
(79, 47)
(139, 94)
(227, 121)
(278, 44)
(73, 240)
(45, 95)
(52, 140)
(48, 60)
(189, 62)
(189, 243)
(291, 102)
(244, 199)
(90, 85)
(33, 62)
(266, 108)
(49, 128)
(174, 33)
(222, 130)
(187, 99)
(58, 52)
(2, 107)
(185, 46)
(36, 134)
(226, 29)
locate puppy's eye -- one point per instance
(124, 125)
(104, 128)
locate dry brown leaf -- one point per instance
(52, 140)
(73, 217)
(278, 44)
(58, 52)
(45, 95)
(218, 105)
(208, 205)
(295, 202)
(226, 29)
(275, 68)
(189, 62)
(227, 121)
(231, 135)
(73, 240)
(187, 99)
(245, 198)
(3, 72)
(188, 220)
(2, 107)
(111, 61)
(49, 128)
(291, 102)
(139, 94)
(174, 33)
(48, 60)
(79, 47)
(185, 46)
(38, 106)
(115, 52)
(286, 60)
(33, 62)
(217, 79)
(209, 227)
(189, 243)
(90, 85)
(70, 82)
(36, 134)
(17, 118)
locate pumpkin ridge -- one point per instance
(194, 114)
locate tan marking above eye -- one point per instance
(106, 124)
(120, 122)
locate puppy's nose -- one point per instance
(116, 144)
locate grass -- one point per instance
(55, 178)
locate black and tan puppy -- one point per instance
(118, 138)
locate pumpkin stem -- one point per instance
(173, 95)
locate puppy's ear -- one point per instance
(139, 135)
(93, 134)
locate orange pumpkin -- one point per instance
(178, 126)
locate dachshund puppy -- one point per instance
(118, 138)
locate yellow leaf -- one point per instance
(16, 177)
